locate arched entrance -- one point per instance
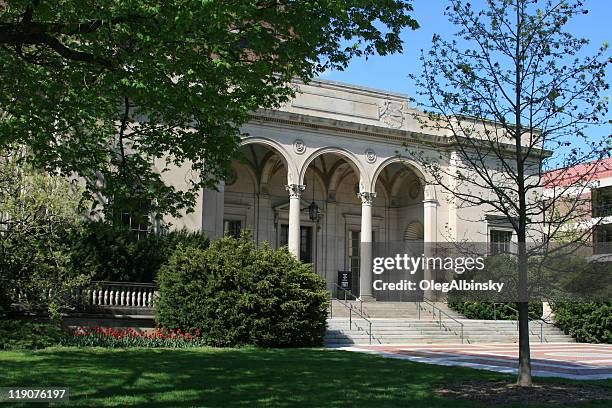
(401, 185)
(332, 184)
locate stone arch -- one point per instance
(269, 168)
(292, 170)
(249, 170)
(384, 198)
(411, 164)
(337, 174)
(398, 181)
(352, 160)
(321, 182)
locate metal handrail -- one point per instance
(358, 312)
(351, 294)
(539, 321)
(440, 313)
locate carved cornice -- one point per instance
(366, 131)
(345, 127)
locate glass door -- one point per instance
(354, 242)
(306, 244)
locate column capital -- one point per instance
(295, 190)
(366, 197)
(429, 193)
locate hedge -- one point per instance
(112, 253)
(588, 322)
(236, 294)
(485, 311)
(19, 334)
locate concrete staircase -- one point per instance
(400, 323)
(388, 310)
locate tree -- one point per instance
(515, 94)
(39, 216)
(105, 89)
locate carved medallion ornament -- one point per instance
(295, 190)
(366, 197)
(370, 155)
(299, 147)
(391, 114)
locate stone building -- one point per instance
(329, 171)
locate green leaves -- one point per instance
(237, 294)
(108, 87)
(588, 322)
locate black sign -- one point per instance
(345, 280)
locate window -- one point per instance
(602, 237)
(500, 241)
(232, 228)
(134, 214)
(601, 202)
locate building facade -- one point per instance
(588, 187)
(330, 171)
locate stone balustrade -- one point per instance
(121, 295)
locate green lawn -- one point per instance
(246, 377)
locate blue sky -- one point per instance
(391, 72)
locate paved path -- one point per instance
(574, 361)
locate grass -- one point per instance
(247, 377)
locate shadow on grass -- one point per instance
(233, 377)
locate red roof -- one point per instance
(596, 170)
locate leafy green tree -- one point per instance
(515, 92)
(119, 91)
(39, 216)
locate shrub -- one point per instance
(502, 311)
(121, 338)
(112, 253)
(237, 294)
(18, 334)
(589, 322)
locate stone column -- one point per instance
(430, 230)
(213, 210)
(293, 241)
(365, 258)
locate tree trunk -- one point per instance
(524, 367)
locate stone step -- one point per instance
(389, 309)
(415, 331)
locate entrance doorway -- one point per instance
(306, 241)
(354, 250)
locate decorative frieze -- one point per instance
(391, 114)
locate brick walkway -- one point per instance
(574, 361)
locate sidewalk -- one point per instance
(574, 361)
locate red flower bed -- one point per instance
(110, 337)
